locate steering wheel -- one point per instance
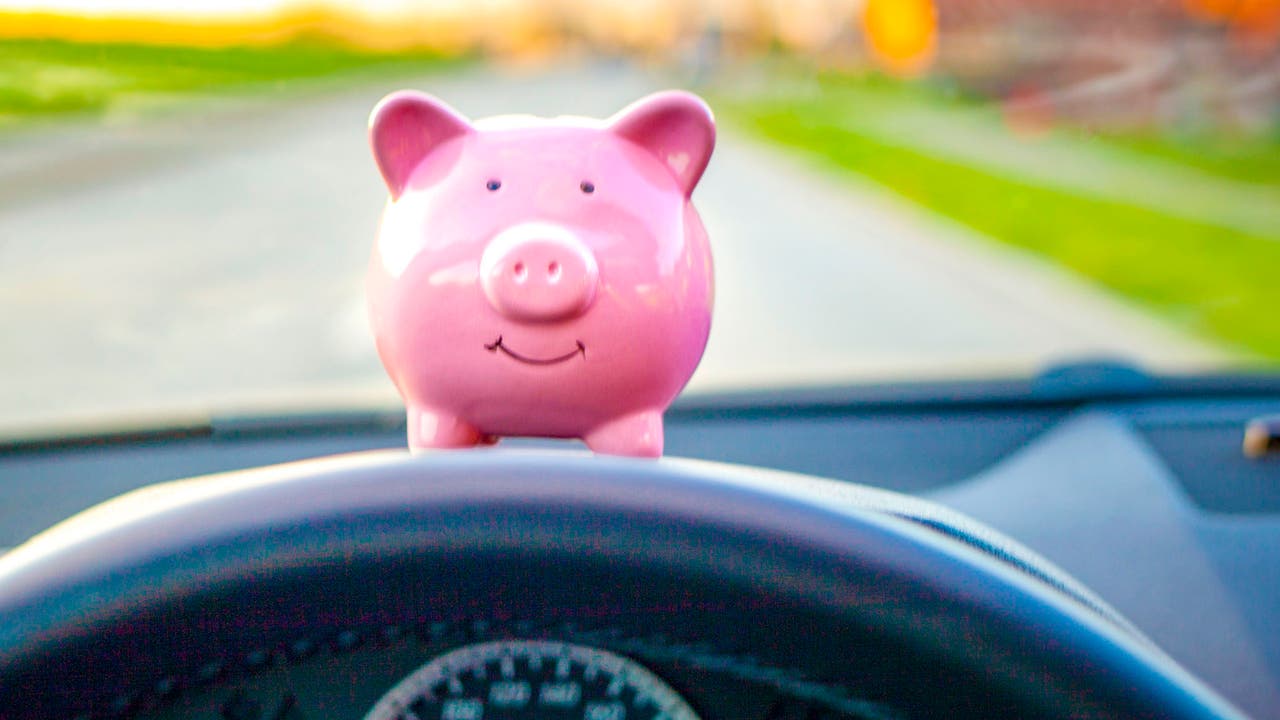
(876, 604)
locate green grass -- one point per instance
(1212, 281)
(1252, 158)
(45, 78)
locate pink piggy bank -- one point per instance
(541, 277)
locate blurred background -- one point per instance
(903, 189)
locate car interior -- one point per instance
(1086, 544)
(398, 360)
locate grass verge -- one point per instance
(1211, 281)
(45, 78)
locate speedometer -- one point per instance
(531, 680)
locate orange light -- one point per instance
(902, 34)
(1260, 16)
(1211, 9)
(1255, 24)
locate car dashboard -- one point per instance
(1136, 487)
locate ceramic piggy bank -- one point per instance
(541, 277)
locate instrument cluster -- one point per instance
(479, 671)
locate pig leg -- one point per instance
(430, 429)
(638, 435)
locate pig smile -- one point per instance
(497, 345)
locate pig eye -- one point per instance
(493, 185)
(587, 187)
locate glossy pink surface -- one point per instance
(541, 277)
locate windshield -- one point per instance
(901, 189)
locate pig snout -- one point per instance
(538, 272)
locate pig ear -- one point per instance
(404, 127)
(676, 127)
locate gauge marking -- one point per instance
(562, 694)
(587, 683)
(510, 693)
(605, 711)
(615, 686)
(469, 709)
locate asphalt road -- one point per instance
(214, 259)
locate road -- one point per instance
(214, 259)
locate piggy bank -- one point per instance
(540, 277)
